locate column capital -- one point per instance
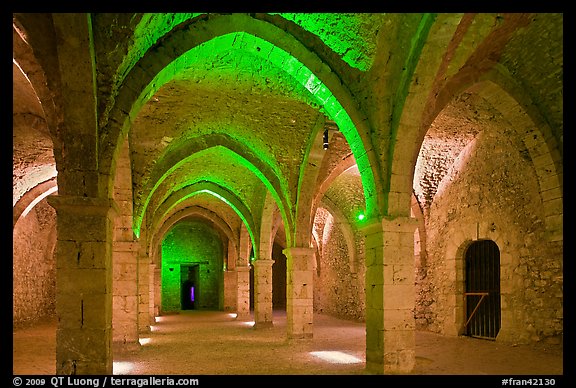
(371, 226)
(83, 205)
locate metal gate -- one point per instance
(482, 289)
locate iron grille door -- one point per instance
(483, 289)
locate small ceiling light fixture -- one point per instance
(325, 145)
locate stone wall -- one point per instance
(338, 283)
(192, 242)
(493, 193)
(34, 265)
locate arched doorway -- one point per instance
(482, 290)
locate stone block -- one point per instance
(399, 320)
(399, 296)
(69, 310)
(83, 281)
(374, 296)
(83, 227)
(67, 254)
(97, 311)
(94, 255)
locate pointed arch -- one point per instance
(193, 212)
(260, 38)
(218, 192)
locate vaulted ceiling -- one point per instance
(232, 115)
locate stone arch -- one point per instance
(428, 95)
(32, 197)
(341, 221)
(498, 89)
(540, 144)
(344, 165)
(178, 156)
(282, 49)
(217, 191)
(195, 212)
(25, 58)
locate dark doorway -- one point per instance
(189, 286)
(278, 278)
(482, 289)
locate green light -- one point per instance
(317, 93)
(224, 153)
(361, 216)
(354, 40)
(191, 248)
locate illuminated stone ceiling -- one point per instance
(240, 112)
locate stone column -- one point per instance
(243, 281)
(230, 290)
(157, 289)
(144, 293)
(151, 296)
(263, 293)
(390, 296)
(230, 279)
(83, 285)
(125, 298)
(299, 291)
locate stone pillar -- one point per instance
(125, 298)
(230, 278)
(390, 296)
(157, 289)
(230, 290)
(243, 281)
(83, 285)
(151, 295)
(144, 293)
(299, 291)
(263, 293)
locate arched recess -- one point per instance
(193, 212)
(532, 129)
(428, 100)
(492, 82)
(218, 192)
(343, 166)
(238, 151)
(341, 221)
(424, 64)
(23, 50)
(270, 43)
(508, 223)
(544, 153)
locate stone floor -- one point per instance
(215, 343)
